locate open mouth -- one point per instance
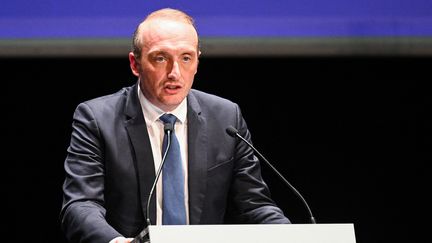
(172, 88)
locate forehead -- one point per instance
(168, 34)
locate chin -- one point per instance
(174, 100)
(171, 105)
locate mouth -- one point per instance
(172, 88)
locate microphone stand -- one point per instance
(144, 235)
(234, 133)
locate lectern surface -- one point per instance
(262, 233)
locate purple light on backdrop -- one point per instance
(42, 19)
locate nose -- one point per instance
(174, 72)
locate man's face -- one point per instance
(168, 63)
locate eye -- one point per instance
(187, 58)
(159, 59)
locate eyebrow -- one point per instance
(163, 52)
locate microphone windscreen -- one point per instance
(231, 131)
(168, 127)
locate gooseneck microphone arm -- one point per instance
(168, 128)
(234, 133)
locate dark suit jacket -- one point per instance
(110, 169)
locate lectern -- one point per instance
(257, 233)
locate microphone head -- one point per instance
(168, 127)
(231, 131)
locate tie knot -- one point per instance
(168, 118)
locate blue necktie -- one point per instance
(174, 212)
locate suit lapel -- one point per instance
(143, 161)
(197, 159)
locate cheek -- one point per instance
(190, 71)
(154, 75)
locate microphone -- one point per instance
(168, 128)
(234, 133)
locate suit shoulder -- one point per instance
(109, 99)
(105, 106)
(212, 99)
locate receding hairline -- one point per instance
(171, 14)
(162, 14)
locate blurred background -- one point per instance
(351, 79)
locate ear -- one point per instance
(134, 64)
(199, 54)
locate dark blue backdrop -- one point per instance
(222, 18)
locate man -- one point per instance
(116, 146)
